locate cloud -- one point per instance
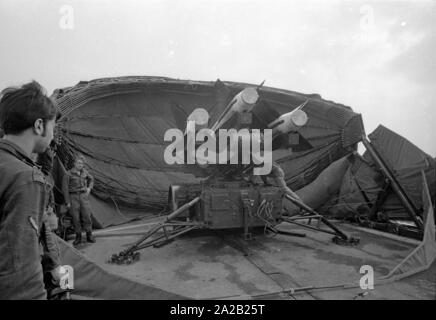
(418, 62)
(381, 66)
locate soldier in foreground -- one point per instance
(27, 118)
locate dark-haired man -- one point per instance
(27, 118)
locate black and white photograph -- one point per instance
(218, 156)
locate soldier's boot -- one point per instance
(89, 237)
(78, 239)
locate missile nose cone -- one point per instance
(197, 120)
(249, 95)
(299, 118)
(200, 116)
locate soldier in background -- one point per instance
(77, 185)
(27, 118)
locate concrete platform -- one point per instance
(209, 265)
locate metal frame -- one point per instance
(340, 237)
(394, 184)
(172, 228)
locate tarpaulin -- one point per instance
(406, 161)
(422, 257)
(324, 187)
(363, 182)
(91, 281)
(106, 214)
(360, 187)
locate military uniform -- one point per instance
(74, 186)
(25, 237)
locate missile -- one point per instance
(289, 122)
(243, 102)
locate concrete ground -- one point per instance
(208, 265)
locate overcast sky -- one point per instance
(377, 57)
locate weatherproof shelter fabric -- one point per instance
(406, 161)
(119, 125)
(325, 186)
(93, 282)
(422, 257)
(363, 181)
(361, 184)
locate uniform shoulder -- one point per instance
(17, 171)
(13, 165)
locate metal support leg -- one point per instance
(131, 255)
(340, 237)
